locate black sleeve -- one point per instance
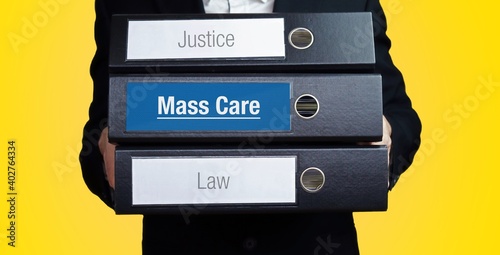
(405, 123)
(90, 156)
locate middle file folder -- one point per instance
(235, 107)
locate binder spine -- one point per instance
(231, 108)
(355, 179)
(341, 43)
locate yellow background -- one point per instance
(447, 202)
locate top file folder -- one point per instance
(278, 42)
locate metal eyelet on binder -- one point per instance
(301, 38)
(312, 179)
(307, 106)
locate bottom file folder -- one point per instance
(168, 180)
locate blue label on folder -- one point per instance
(208, 106)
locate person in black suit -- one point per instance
(320, 233)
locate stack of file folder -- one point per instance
(246, 113)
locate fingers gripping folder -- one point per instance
(240, 113)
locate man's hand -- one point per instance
(386, 137)
(108, 153)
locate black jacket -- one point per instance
(405, 123)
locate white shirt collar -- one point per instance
(208, 1)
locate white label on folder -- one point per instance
(213, 180)
(206, 38)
